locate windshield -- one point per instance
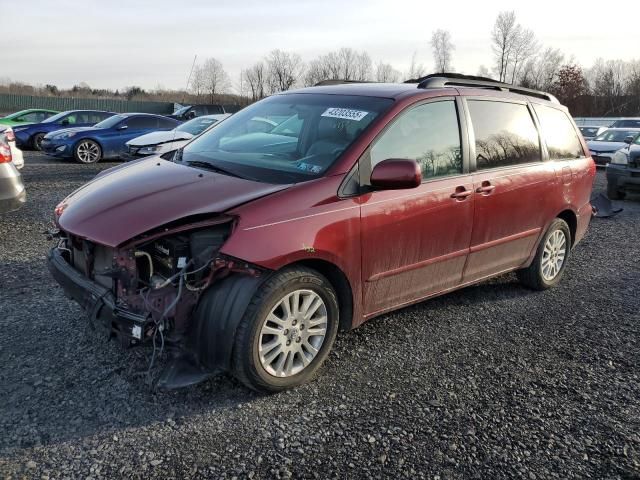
(259, 143)
(110, 122)
(57, 117)
(197, 125)
(615, 135)
(182, 110)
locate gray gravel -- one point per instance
(493, 381)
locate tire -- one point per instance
(87, 151)
(261, 366)
(613, 193)
(543, 273)
(36, 141)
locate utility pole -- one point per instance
(189, 78)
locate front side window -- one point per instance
(428, 134)
(56, 118)
(558, 132)
(110, 122)
(246, 145)
(505, 134)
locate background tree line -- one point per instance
(606, 88)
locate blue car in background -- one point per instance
(104, 140)
(30, 136)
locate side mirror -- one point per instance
(122, 127)
(396, 174)
(628, 140)
(65, 122)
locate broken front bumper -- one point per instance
(99, 302)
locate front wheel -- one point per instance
(551, 258)
(87, 151)
(287, 331)
(36, 141)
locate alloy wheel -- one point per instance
(292, 333)
(88, 152)
(553, 256)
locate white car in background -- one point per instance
(16, 153)
(155, 143)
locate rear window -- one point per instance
(559, 134)
(505, 134)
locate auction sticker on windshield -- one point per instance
(344, 113)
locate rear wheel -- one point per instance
(87, 151)
(287, 331)
(36, 141)
(551, 258)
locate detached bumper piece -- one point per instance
(98, 301)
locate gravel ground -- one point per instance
(493, 381)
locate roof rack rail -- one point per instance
(338, 82)
(441, 80)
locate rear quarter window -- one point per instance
(505, 134)
(558, 133)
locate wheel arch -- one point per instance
(571, 218)
(340, 283)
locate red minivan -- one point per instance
(314, 210)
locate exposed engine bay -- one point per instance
(150, 286)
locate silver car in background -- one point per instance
(156, 143)
(607, 143)
(12, 191)
(16, 153)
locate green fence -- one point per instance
(12, 103)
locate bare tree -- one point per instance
(483, 71)
(284, 70)
(256, 80)
(524, 47)
(503, 37)
(442, 50)
(198, 81)
(343, 64)
(416, 70)
(541, 71)
(362, 67)
(386, 73)
(215, 78)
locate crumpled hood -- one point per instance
(155, 138)
(605, 146)
(135, 198)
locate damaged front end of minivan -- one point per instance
(146, 290)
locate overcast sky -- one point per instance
(112, 44)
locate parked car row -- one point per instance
(89, 136)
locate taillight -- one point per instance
(9, 135)
(5, 152)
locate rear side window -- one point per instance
(166, 123)
(428, 134)
(137, 123)
(558, 132)
(505, 134)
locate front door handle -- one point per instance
(461, 193)
(486, 188)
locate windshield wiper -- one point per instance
(211, 167)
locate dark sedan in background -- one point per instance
(623, 173)
(30, 136)
(106, 139)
